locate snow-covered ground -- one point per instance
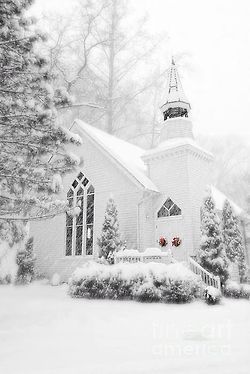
(42, 330)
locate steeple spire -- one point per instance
(176, 104)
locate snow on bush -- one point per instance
(25, 260)
(143, 282)
(55, 280)
(212, 295)
(147, 292)
(236, 290)
(8, 265)
(232, 289)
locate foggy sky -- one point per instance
(215, 36)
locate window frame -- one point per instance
(85, 186)
(168, 217)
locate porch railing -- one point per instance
(208, 278)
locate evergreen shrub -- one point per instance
(236, 290)
(150, 282)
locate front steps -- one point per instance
(208, 278)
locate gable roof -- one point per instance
(174, 143)
(127, 155)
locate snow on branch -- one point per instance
(71, 136)
(77, 105)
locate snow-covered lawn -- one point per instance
(42, 330)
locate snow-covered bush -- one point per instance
(179, 291)
(147, 292)
(55, 279)
(245, 290)
(232, 289)
(212, 295)
(236, 290)
(26, 262)
(143, 282)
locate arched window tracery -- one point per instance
(80, 226)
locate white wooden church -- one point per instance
(158, 192)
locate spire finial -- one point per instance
(176, 104)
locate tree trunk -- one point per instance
(110, 110)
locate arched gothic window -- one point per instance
(79, 227)
(169, 208)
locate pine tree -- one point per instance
(212, 254)
(26, 263)
(110, 241)
(230, 231)
(233, 240)
(241, 259)
(32, 155)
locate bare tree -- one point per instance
(100, 59)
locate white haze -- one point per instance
(214, 37)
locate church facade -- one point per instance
(158, 192)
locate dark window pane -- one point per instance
(85, 182)
(175, 211)
(79, 231)
(70, 201)
(89, 240)
(75, 183)
(91, 189)
(69, 232)
(163, 212)
(80, 192)
(69, 220)
(90, 209)
(168, 203)
(79, 218)
(80, 175)
(70, 193)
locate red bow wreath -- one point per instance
(176, 241)
(163, 241)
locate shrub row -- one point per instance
(236, 290)
(143, 282)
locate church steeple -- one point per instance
(176, 104)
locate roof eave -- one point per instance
(115, 160)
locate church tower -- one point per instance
(181, 171)
(176, 109)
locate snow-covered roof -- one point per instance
(175, 143)
(126, 154)
(220, 198)
(130, 157)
